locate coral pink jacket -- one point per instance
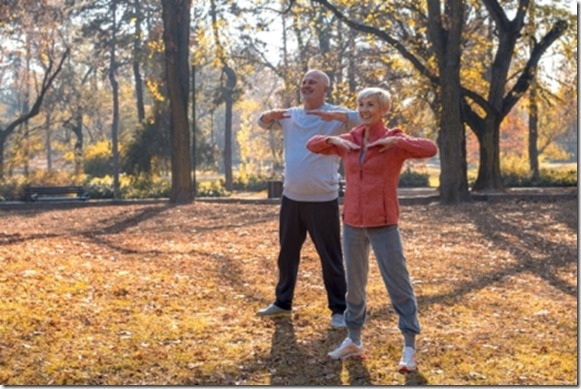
(372, 179)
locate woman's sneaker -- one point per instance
(408, 361)
(346, 349)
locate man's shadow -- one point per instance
(306, 364)
(291, 363)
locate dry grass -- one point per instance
(157, 295)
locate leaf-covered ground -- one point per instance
(157, 294)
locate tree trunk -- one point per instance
(194, 178)
(452, 138)
(489, 177)
(115, 90)
(2, 143)
(77, 129)
(176, 37)
(533, 132)
(136, 62)
(229, 101)
(452, 145)
(48, 142)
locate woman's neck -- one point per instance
(366, 135)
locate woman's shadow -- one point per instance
(415, 379)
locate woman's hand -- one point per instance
(384, 143)
(342, 143)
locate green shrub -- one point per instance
(11, 188)
(211, 189)
(146, 186)
(413, 179)
(97, 159)
(252, 183)
(515, 172)
(546, 178)
(99, 187)
(52, 178)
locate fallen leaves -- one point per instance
(162, 295)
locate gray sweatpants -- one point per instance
(388, 248)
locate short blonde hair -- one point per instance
(382, 95)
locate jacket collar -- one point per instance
(377, 131)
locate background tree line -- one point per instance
(88, 87)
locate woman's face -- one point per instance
(370, 111)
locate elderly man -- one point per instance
(310, 194)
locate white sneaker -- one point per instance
(338, 321)
(346, 349)
(408, 361)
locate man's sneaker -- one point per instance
(273, 311)
(408, 361)
(338, 321)
(346, 349)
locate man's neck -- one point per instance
(308, 106)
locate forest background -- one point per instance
(84, 90)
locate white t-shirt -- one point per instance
(309, 176)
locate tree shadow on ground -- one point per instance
(533, 252)
(568, 216)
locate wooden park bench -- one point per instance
(55, 193)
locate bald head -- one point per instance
(322, 76)
(314, 88)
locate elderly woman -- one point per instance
(373, 156)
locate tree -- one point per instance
(52, 70)
(113, 65)
(176, 37)
(225, 94)
(459, 104)
(445, 33)
(501, 96)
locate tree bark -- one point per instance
(136, 63)
(115, 90)
(229, 102)
(176, 36)
(445, 32)
(77, 129)
(533, 132)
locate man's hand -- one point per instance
(329, 115)
(384, 143)
(342, 143)
(274, 114)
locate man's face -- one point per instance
(313, 87)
